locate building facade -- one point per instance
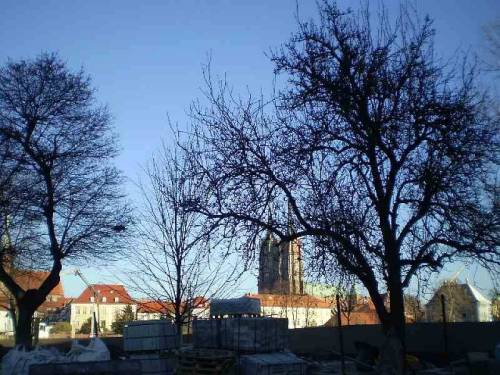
(111, 300)
(300, 310)
(151, 310)
(199, 307)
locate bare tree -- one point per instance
(348, 303)
(60, 196)
(382, 151)
(179, 261)
(413, 308)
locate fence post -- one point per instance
(445, 328)
(341, 337)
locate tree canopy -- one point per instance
(122, 318)
(60, 195)
(386, 155)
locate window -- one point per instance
(103, 299)
(103, 324)
(92, 299)
(117, 299)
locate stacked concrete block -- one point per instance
(272, 364)
(143, 336)
(243, 335)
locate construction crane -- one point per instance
(94, 326)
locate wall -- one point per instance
(421, 337)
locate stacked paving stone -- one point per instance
(272, 364)
(259, 342)
(146, 336)
(243, 335)
(144, 340)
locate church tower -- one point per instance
(280, 267)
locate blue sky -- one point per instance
(146, 57)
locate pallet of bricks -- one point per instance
(259, 343)
(147, 341)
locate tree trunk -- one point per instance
(23, 328)
(26, 307)
(178, 327)
(397, 308)
(392, 356)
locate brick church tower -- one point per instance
(280, 267)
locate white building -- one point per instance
(6, 327)
(152, 310)
(201, 308)
(301, 310)
(111, 301)
(463, 303)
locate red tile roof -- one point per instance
(200, 302)
(46, 306)
(106, 294)
(31, 279)
(165, 307)
(291, 300)
(154, 307)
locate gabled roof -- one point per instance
(454, 287)
(477, 295)
(199, 302)
(290, 300)
(106, 294)
(33, 279)
(364, 306)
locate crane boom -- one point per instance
(95, 319)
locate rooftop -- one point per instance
(291, 300)
(33, 279)
(107, 294)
